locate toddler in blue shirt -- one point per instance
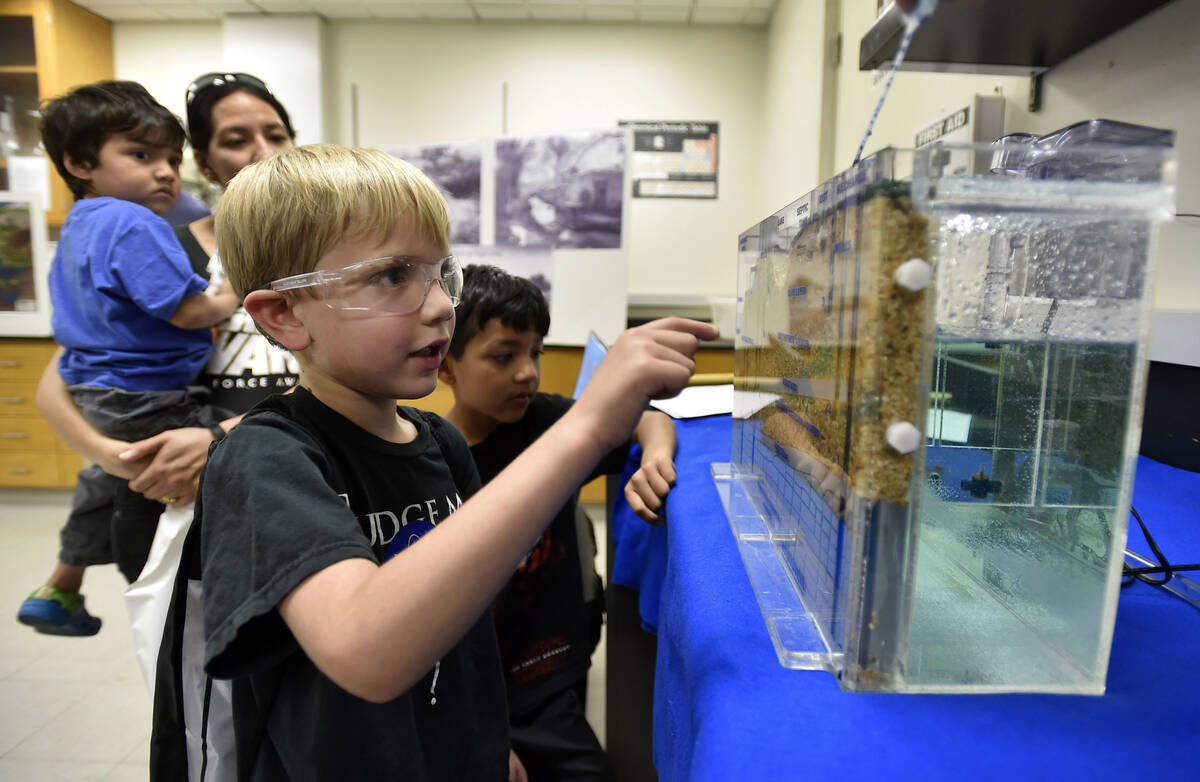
(131, 316)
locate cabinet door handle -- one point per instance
(15, 435)
(19, 471)
(7, 364)
(11, 400)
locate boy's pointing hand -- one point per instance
(652, 361)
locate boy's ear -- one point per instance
(446, 371)
(272, 311)
(78, 169)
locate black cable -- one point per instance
(1186, 214)
(1143, 573)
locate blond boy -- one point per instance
(349, 554)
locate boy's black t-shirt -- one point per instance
(294, 488)
(541, 619)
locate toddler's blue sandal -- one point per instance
(52, 612)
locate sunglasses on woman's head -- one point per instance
(220, 80)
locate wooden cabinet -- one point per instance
(46, 48)
(30, 454)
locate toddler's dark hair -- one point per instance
(78, 123)
(490, 292)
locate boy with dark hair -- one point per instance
(131, 316)
(542, 618)
(347, 567)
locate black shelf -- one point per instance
(1012, 37)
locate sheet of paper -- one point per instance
(30, 174)
(698, 401)
(747, 403)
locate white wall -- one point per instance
(166, 57)
(287, 52)
(795, 104)
(420, 83)
(427, 82)
(197, 48)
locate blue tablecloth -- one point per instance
(726, 710)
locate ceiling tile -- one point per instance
(676, 15)
(448, 10)
(336, 10)
(609, 13)
(100, 8)
(395, 11)
(717, 15)
(189, 13)
(495, 11)
(560, 12)
(750, 12)
(284, 6)
(123, 13)
(228, 7)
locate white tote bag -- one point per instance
(148, 599)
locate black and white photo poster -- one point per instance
(563, 190)
(456, 170)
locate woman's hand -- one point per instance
(175, 458)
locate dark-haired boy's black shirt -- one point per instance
(541, 619)
(294, 488)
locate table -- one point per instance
(724, 709)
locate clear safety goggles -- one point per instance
(395, 284)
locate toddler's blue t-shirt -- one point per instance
(118, 275)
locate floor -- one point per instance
(78, 708)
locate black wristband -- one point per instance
(218, 432)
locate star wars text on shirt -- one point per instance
(243, 358)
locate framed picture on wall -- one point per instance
(673, 159)
(24, 266)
